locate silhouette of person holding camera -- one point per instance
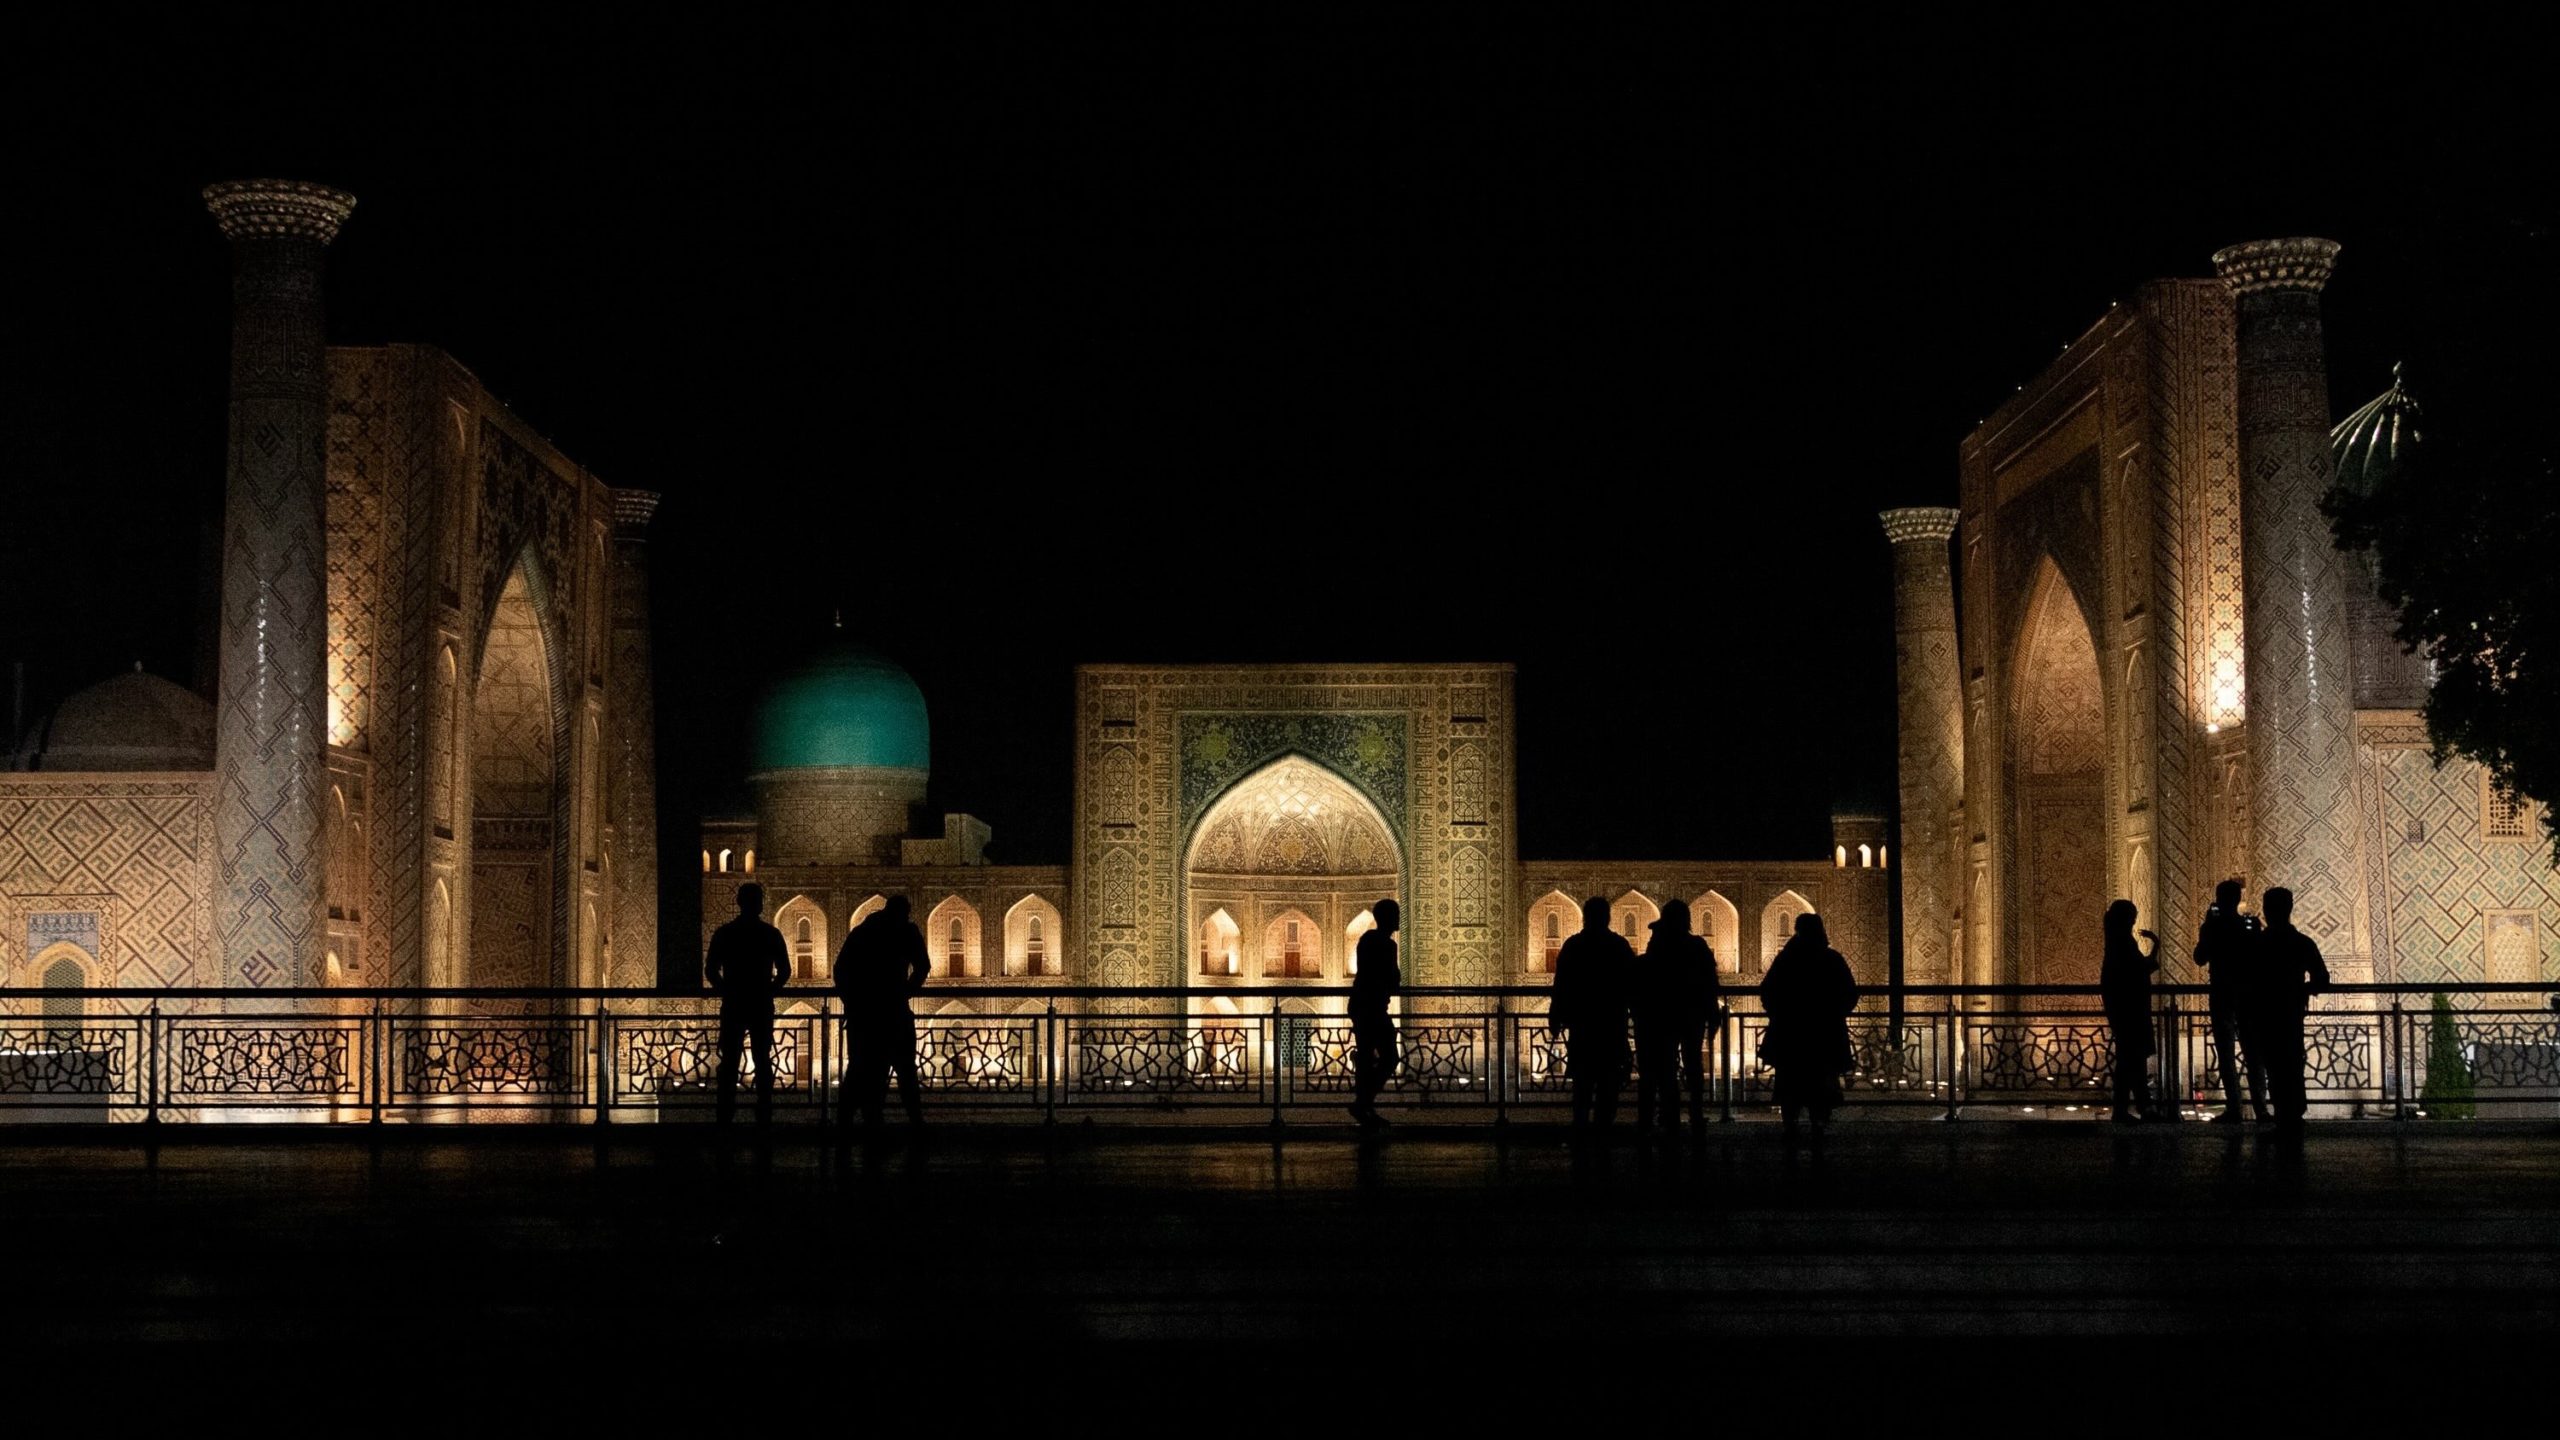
(2224, 946)
(2124, 989)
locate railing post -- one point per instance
(2164, 1034)
(818, 1033)
(1271, 1047)
(603, 1023)
(373, 1032)
(1724, 1063)
(150, 1062)
(1955, 1055)
(1051, 1079)
(1498, 1061)
(2399, 1060)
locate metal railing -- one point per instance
(1046, 1052)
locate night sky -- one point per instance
(1045, 342)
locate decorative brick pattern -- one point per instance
(2301, 694)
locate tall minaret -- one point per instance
(2300, 696)
(271, 702)
(1931, 753)
(631, 779)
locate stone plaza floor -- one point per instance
(504, 1237)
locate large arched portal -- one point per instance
(2058, 751)
(1292, 855)
(514, 787)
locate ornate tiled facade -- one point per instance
(271, 714)
(2301, 695)
(1156, 747)
(430, 588)
(2154, 625)
(118, 868)
(1930, 755)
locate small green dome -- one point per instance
(2377, 442)
(847, 706)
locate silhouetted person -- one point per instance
(1373, 1030)
(2224, 943)
(747, 965)
(1676, 998)
(2286, 972)
(1808, 994)
(882, 962)
(2124, 988)
(1595, 980)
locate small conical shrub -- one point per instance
(2447, 1093)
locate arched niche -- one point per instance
(1715, 917)
(1289, 839)
(1031, 934)
(2057, 765)
(1552, 920)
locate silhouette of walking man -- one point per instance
(2124, 988)
(1676, 999)
(2223, 945)
(883, 961)
(1595, 972)
(2283, 976)
(1808, 994)
(747, 965)
(1373, 1031)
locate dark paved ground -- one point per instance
(514, 1238)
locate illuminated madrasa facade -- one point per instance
(1234, 828)
(429, 759)
(2164, 674)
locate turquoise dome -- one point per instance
(847, 706)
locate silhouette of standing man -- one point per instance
(1373, 1032)
(747, 965)
(2223, 943)
(1676, 999)
(1595, 971)
(2286, 972)
(882, 963)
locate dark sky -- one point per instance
(1046, 341)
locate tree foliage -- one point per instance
(2465, 539)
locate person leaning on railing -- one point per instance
(883, 962)
(1808, 994)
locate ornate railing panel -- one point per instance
(2037, 1055)
(623, 1055)
(65, 1060)
(978, 1058)
(479, 1057)
(674, 1057)
(1434, 1057)
(222, 1059)
(1162, 1057)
